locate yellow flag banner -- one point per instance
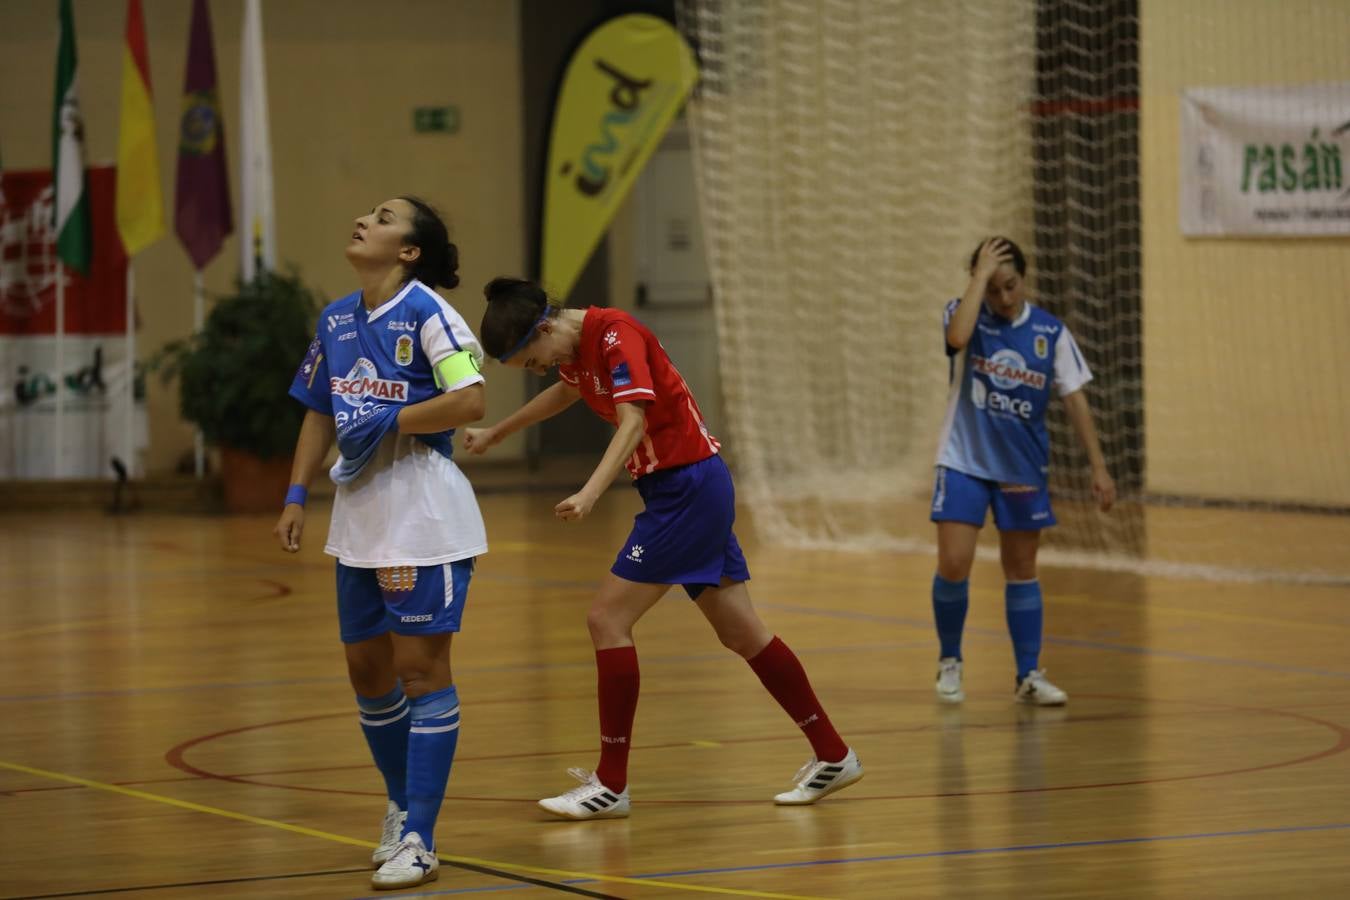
(620, 92)
(140, 204)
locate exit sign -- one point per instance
(436, 119)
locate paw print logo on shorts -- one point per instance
(635, 553)
(611, 338)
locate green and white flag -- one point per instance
(72, 200)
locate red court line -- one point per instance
(175, 757)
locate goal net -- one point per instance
(851, 155)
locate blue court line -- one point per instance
(932, 854)
(1063, 641)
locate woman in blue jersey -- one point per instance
(392, 371)
(1006, 355)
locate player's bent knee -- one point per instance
(607, 626)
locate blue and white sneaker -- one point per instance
(412, 864)
(1036, 690)
(948, 683)
(391, 834)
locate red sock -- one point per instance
(782, 673)
(617, 689)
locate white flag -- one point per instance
(258, 244)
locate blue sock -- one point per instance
(951, 599)
(1022, 601)
(431, 750)
(385, 721)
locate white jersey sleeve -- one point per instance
(445, 334)
(1071, 370)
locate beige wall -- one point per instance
(344, 77)
(1244, 340)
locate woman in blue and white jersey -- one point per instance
(1005, 356)
(392, 371)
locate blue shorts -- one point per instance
(404, 599)
(683, 535)
(958, 497)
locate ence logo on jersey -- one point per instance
(1007, 369)
(362, 382)
(993, 401)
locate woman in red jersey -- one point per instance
(683, 535)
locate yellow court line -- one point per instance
(355, 842)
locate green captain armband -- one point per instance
(455, 368)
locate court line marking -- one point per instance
(176, 757)
(974, 851)
(183, 884)
(1014, 848)
(486, 866)
(1052, 639)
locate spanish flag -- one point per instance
(140, 203)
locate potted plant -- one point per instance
(234, 376)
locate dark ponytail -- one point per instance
(515, 308)
(438, 263)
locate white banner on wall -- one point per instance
(1266, 161)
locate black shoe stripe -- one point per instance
(609, 798)
(587, 804)
(834, 770)
(817, 784)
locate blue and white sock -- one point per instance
(1022, 603)
(385, 722)
(951, 599)
(431, 751)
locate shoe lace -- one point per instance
(585, 788)
(405, 855)
(393, 824)
(805, 772)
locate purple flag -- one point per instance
(201, 216)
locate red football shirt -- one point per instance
(620, 361)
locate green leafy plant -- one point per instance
(235, 373)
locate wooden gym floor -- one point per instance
(177, 724)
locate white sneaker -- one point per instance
(949, 680)
(590, 801)
(412, 864)
(1034, 689)
(819, 779)
(390, 834)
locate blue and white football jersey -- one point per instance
(363, 366)
(1000, 388)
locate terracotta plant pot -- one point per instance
(253, 485)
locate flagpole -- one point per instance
(198, 320)
(129, 418)
(59, 466)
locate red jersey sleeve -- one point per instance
(623, 352)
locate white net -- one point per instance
(852, 153)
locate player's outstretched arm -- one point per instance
(544, 405)
(632, 424)
(449, 410)
(1080, 414)
(993, 253)
(316, 436)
